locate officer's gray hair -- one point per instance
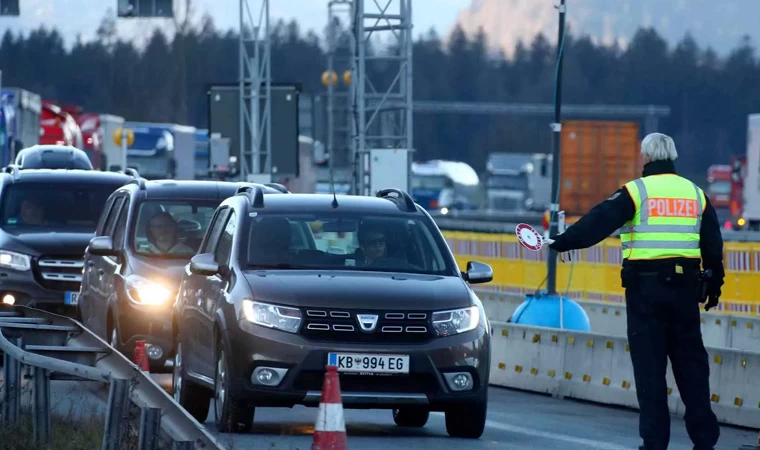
(659, 147)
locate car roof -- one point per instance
(324, 202)
(67, 175)
(193, 189)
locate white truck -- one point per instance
(751, 186)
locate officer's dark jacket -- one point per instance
(611, 214)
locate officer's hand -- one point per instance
(712, 302)
(547, 242)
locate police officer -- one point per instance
(666, 226)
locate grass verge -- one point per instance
(66, 434)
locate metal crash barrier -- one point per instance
(59, 348)
(597, 367)
(595, 272)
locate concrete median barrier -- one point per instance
(739, 332)
(597, 367)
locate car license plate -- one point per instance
(369, 363)
(72, 298)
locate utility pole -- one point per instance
(551, 280)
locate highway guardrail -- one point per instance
(505, 223)
(60, 348)
(594, 273)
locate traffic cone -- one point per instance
(140, 357)
(330, 429)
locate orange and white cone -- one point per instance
(140, 357)
(330, 429)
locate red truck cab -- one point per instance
(89, 124)
(719, 185)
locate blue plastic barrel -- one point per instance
(543, 311)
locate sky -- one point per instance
(74, 17)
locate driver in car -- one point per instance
(372, 242)
(32, 213)
(163, 235)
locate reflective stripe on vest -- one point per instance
(663, 235)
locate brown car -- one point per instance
(284, 285)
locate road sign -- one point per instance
(528, 237)
(145, 8)
(117, 133)
(9, 8)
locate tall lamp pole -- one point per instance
(551, 282)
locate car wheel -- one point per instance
(194, 398)
(411, 417)
(231, 415)
(467, 421)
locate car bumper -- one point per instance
(151, 324)
(28, 292)
(305, 361)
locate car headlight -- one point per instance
(15, 261)
(456, 321)
(272, 316)
(146, 292)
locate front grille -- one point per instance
(421, 383)
(59, 273)
(345, 326)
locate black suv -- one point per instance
(147, 233)
(47, 218)
(285, 285)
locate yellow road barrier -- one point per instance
(596, 271)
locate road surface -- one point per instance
(516, 420)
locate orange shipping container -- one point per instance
(597, 158)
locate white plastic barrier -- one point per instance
(597, 367)
(718, 330)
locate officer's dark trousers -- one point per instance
(664, 321)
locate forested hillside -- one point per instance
(710, 97)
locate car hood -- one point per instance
(46, 242)
(167, 272)
(363, 290)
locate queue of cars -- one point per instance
(250, 291)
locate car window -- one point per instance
(216, 228)
(171, 228)
(121, 225)
(53, 205)
(348, 241)
(222, 254)
(112, 216)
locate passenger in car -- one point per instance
(32, 213)
(163, 235)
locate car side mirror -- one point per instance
(102, 246)
(478, 273)
(204, 264)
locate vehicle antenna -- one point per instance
(332, 187)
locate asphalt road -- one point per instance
(516, 420)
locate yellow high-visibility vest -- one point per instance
(667, 221)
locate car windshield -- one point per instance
(514, 182)
(720, 187)
(171, 228)
(433, 182)
(55, 205)
(346, 241)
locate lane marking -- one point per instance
(597, 445)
